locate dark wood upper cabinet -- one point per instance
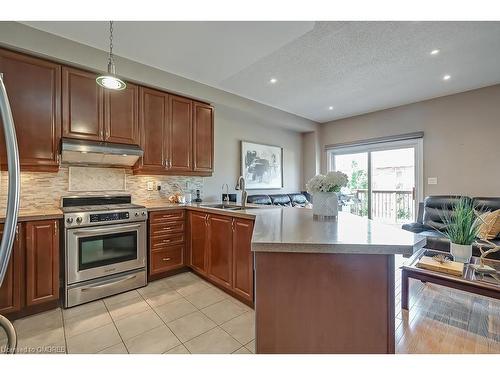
(34, 91)
(42, 262)
(179, 137)
(121, 115)
(220, 257)
(153, 125)
(203, 137)
(82, 105)
(243, 258)
(11, 289)
(198, 241)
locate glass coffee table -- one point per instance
(471, 281)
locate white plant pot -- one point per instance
(461, 253)
(325, 206)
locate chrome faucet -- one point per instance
(240, 185)
(226, 198)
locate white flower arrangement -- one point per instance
(332, 182)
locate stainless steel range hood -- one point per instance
(81, 152)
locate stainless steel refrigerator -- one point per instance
(12, 211)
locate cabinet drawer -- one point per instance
(168, 240)
(166, 259)
(164, 216)
(163, 229)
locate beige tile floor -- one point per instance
(180, 314)
(184, 314)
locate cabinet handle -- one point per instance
(17, 232)
(166, 163)
(55, 228)
(167, 228)
(166, 240)
(166, 259)
(232, 224)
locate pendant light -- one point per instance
(110, 80)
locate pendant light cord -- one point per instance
(111, 58)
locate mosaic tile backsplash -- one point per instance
(40, 189)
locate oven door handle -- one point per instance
(119, 229)
(106, 284)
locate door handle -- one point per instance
(119, 229)
(13, 181)
(105, 284)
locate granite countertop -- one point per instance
(295, 230)
(287, 229)
(36, 213)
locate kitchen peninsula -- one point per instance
(325, 286)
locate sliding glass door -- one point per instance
(384, 179)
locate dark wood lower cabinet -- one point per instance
(32, 281)
(166, 243)
(243, 258)
(220, 250)
(42, 262)
(11, 288)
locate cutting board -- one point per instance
(450, 268)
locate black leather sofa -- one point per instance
(286, 200)
(429, 218)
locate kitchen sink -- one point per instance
(224, 206)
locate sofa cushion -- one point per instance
(298, 200)
(259, 199)
(435, 206)
(281, 199)
(486, 204)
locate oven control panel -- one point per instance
(83, 219)
(94, 218)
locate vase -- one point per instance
(325, 206)
(461, 253)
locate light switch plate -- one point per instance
(150, 185)
(432, 181)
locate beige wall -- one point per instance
(311, 149)
(236, 118)
(461, 138)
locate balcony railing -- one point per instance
(393, 206)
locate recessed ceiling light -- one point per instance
(446, 77)
(330, 108)
(273, 80)
(434, 52)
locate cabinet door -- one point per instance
(42, 262)
(82, 105)
(10, 290)
(153, 117)
(220, 267)
(180, 146)
(198, 241)
(203, 137)
(121, 115)
(34, 90)
(243, 258)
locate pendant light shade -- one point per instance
(110, 80)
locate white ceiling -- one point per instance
(356, 67)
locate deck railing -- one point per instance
(394, 206)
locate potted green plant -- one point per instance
(461, 228)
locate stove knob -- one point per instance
(69, 220)
(79, 220)
(143, 213)
(136, 214)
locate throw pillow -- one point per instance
(490, 225)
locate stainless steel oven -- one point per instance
(105, 250)
(105, 247)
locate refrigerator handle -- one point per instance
(9, 229)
